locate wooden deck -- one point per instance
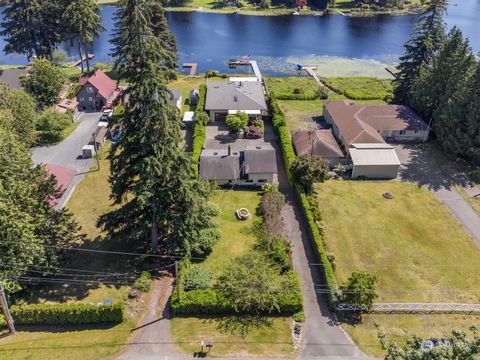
(84, 57)
(192, 66)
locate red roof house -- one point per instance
(64, 177)
(98, 91)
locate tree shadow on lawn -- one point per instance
(427, 165)
(241, 325)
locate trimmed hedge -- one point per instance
(319, 249)
(214, 302)
(200, 130)
(65, 314)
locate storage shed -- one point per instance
(374, 161)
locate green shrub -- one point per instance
(321, 93)
(197, 302)
(237, 122)
(197, 278)
(202, 97)
(50, 125)
(211, 73)
(277, 113)
(66, 314)
(199, 136)
(144, 282)
(206, 239)
(299, 317)
(287, 149)
(475, 175)
(202, 118)
(74, 91)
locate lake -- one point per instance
(339, 45)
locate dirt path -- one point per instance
(153, 338)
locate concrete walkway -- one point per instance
(430, 168)
(68, 153)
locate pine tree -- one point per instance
(27, 221)
(442, 93)
(426, 40)
(136, 22)
(32, 27)
(151, 175)
(473, 117)
(84, 24)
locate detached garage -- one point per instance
(374, 161)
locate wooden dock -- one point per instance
(252, 63)
(192, 66)
(84, 57)
(311, 72)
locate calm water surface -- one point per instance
(279, 41)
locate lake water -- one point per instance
(339, 45)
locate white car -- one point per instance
(108, 112)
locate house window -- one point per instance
(262, 180)
(81, 99)
(89, 89)
(403, 132)
(416, 131)
(90, 99)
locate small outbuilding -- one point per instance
(260, 164)
(176, 98)
(374, 161)
(318, 142)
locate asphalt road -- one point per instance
(68, 153)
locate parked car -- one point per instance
(108, 112)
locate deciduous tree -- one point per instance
(308, 170)
(360, 289)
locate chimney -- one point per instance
(229, 150)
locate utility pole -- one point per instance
(6, 310)
(177, 280)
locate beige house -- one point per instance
(318, 142)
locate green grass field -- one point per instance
(361, 88)
(399, 328)
(287, 85)
(412, 242)
(271, 338)
(66, 342)
(272, 341)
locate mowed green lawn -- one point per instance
(272, 338)
(412, 242)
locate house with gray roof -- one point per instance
(225, 98)
(11, 77)
(254, 166)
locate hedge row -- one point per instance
(200, 130)
(214, 302)
(319, 249)
(284, 135)
(304, 96)
(65, 314)
(313, 229)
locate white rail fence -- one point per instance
(415, 308)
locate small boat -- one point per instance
(295, 13)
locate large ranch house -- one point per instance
(365, 131)
(238, 94)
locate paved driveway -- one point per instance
(427, 166)
(69, 152)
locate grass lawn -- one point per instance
(412, 242)
(287, 85)
(361, 88)
(236, 236)
(272, 341)
(66, 342)
(272, 338)
(401, 327)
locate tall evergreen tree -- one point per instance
(32, 27)
(426, 40)
(27, 221)
(442, 93)
(84, 24)
(473, 117)
(136, 22)
(151, 175)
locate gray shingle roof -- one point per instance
(260, 160)
(218, 165)
(246, 95)
(11, 77)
